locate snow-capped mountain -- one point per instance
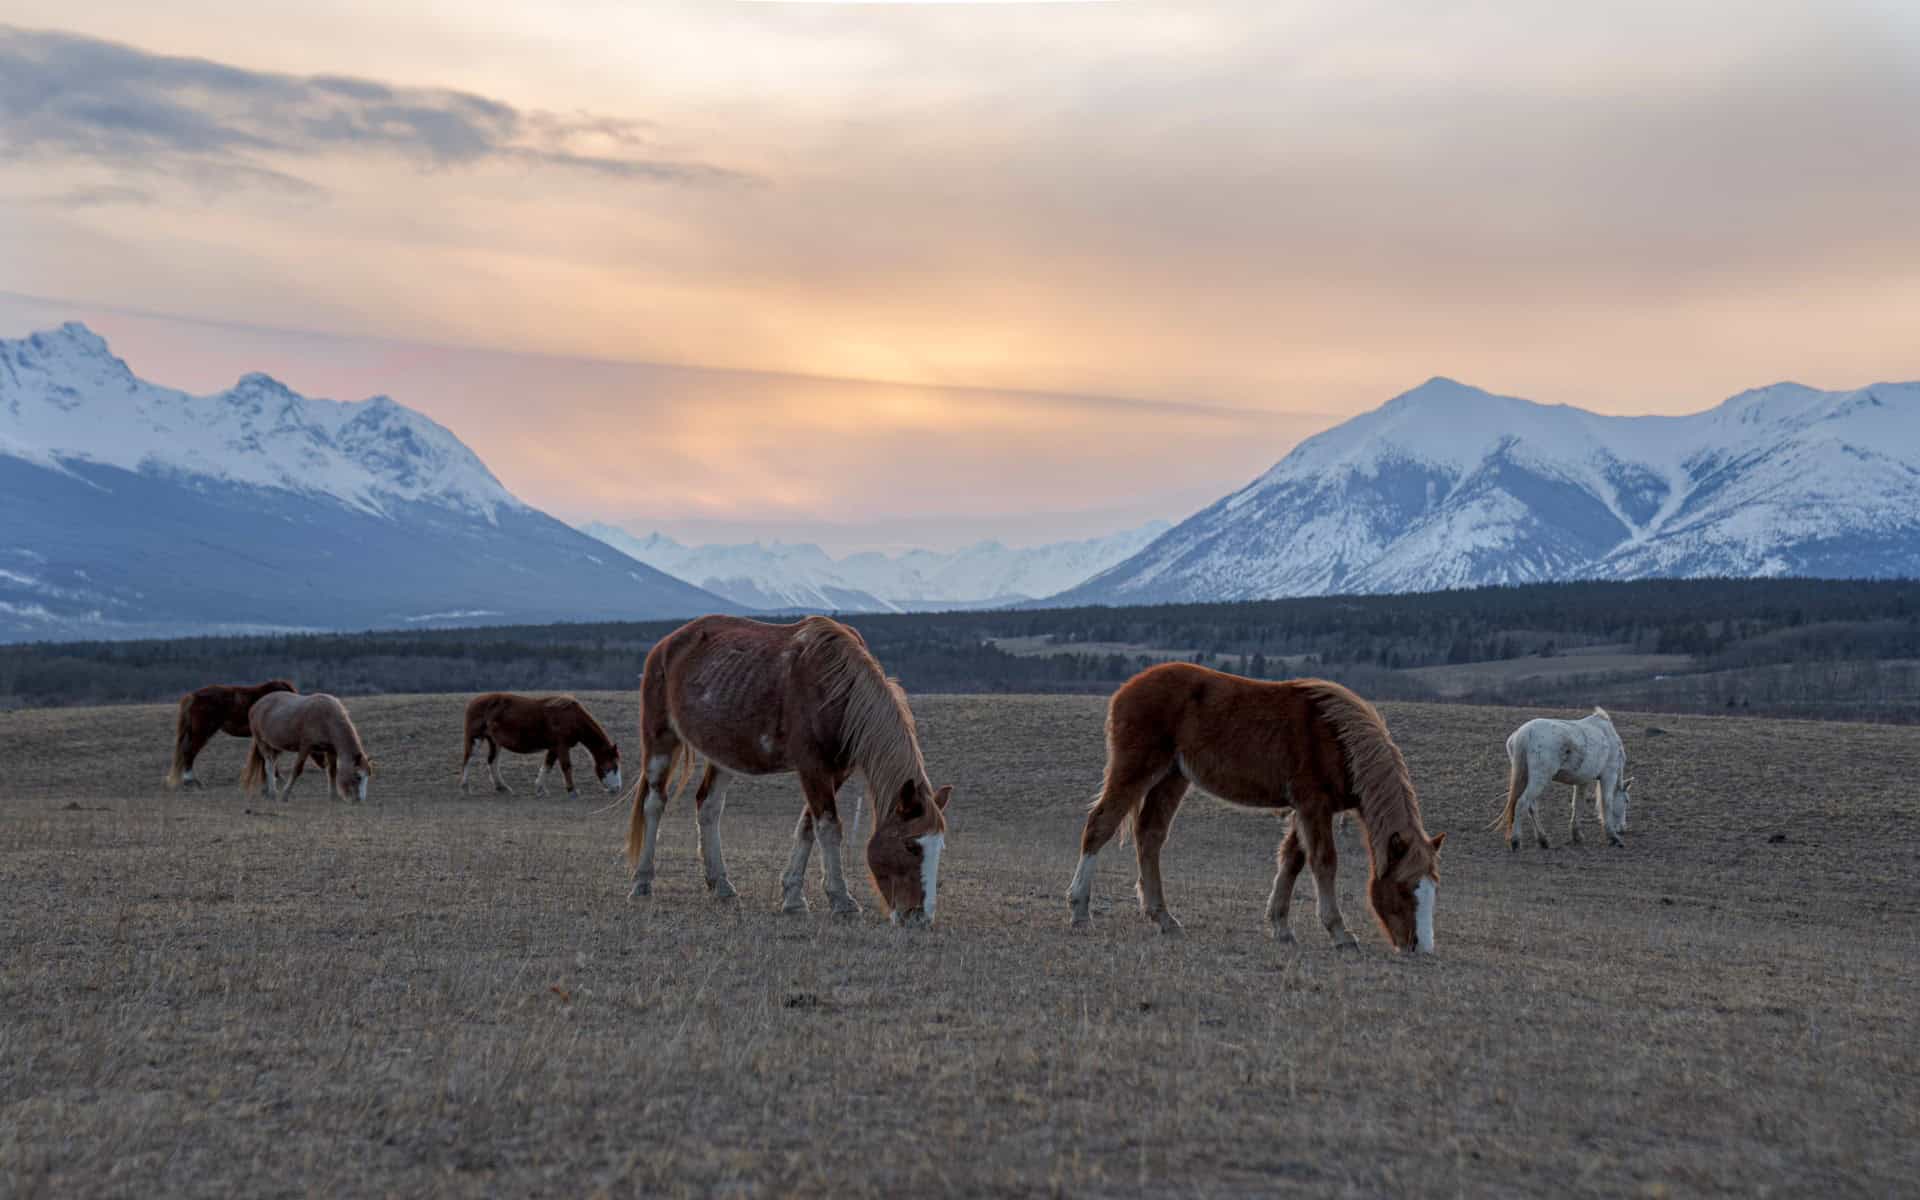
(127, 508)
(1449, 486)
(780, 575)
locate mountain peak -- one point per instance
(1439, 390)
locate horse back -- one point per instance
(731, 688)
(1248, 742)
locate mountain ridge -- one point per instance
(1447, 485)
(135, 509)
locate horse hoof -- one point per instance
(1282, 936)
(639, 890)
(1171, 928)
(1614, 841)
(1545, 844)
(722, 890)
(1080, 922)
(846, 914)
(572, 794)
(1346, 941)
(1514, 844)
(795, 908)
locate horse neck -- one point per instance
(876, 727)
(1386, 810)
(345, 738)
(589, 732)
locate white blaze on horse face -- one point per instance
(1423, 914)
(361, 787)
(930, 847)
(612, 781)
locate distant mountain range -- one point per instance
(128, 509)
(1448, 486)
(783, 576)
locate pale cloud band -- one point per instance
(66, 96)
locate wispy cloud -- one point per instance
(65, 96)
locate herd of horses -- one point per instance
(809, 699)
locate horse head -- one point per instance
(903, 855)
(351, 777)
(1617, 805)
(1403, 889)
(606, 767)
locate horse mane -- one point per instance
(876, 725)
(594, 736)
(1376, 770)
(336, 716)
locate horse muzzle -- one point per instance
(612, 782)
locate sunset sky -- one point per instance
(883, 274)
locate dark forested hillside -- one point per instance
(1805, 647)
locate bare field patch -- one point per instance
(437, 994)
(1462, 679)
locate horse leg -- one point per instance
(540, 780)
(493, 767)
(1150, 830)
(793, 882)
(1316, 833)
(1125, 786)
(659, 748)
(565, 754)
(1533, 811)
(192, 742)
(709, 802)
(1573, 817)
(299, 765)
(466, 761)
(1539, 778)
(826, 831)
(1289, 862)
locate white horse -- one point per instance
(1579, 752)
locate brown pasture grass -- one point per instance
(436, 995)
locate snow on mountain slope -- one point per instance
(66, 396)
(1450, 486)
(131, 509)
(780, 575)
(774, 576)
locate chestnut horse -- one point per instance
(216, 708)
(528, 725)
(760, 699)
(1306, 744)
(315, 726)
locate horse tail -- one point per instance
(1516, 787)
(181, 733)
(256, 773)
(637, 820)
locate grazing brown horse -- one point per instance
(216, 708)
(315, 726)
(760, 699)
(528, 725)
(1305, 744)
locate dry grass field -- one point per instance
(431, 994)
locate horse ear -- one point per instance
(908, 806)
(1435, 841)
(941, 797)
(1396, 850)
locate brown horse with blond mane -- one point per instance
(316, 727)
(529, 725)
(216, 708)
(1309, 745)
(807, 698)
